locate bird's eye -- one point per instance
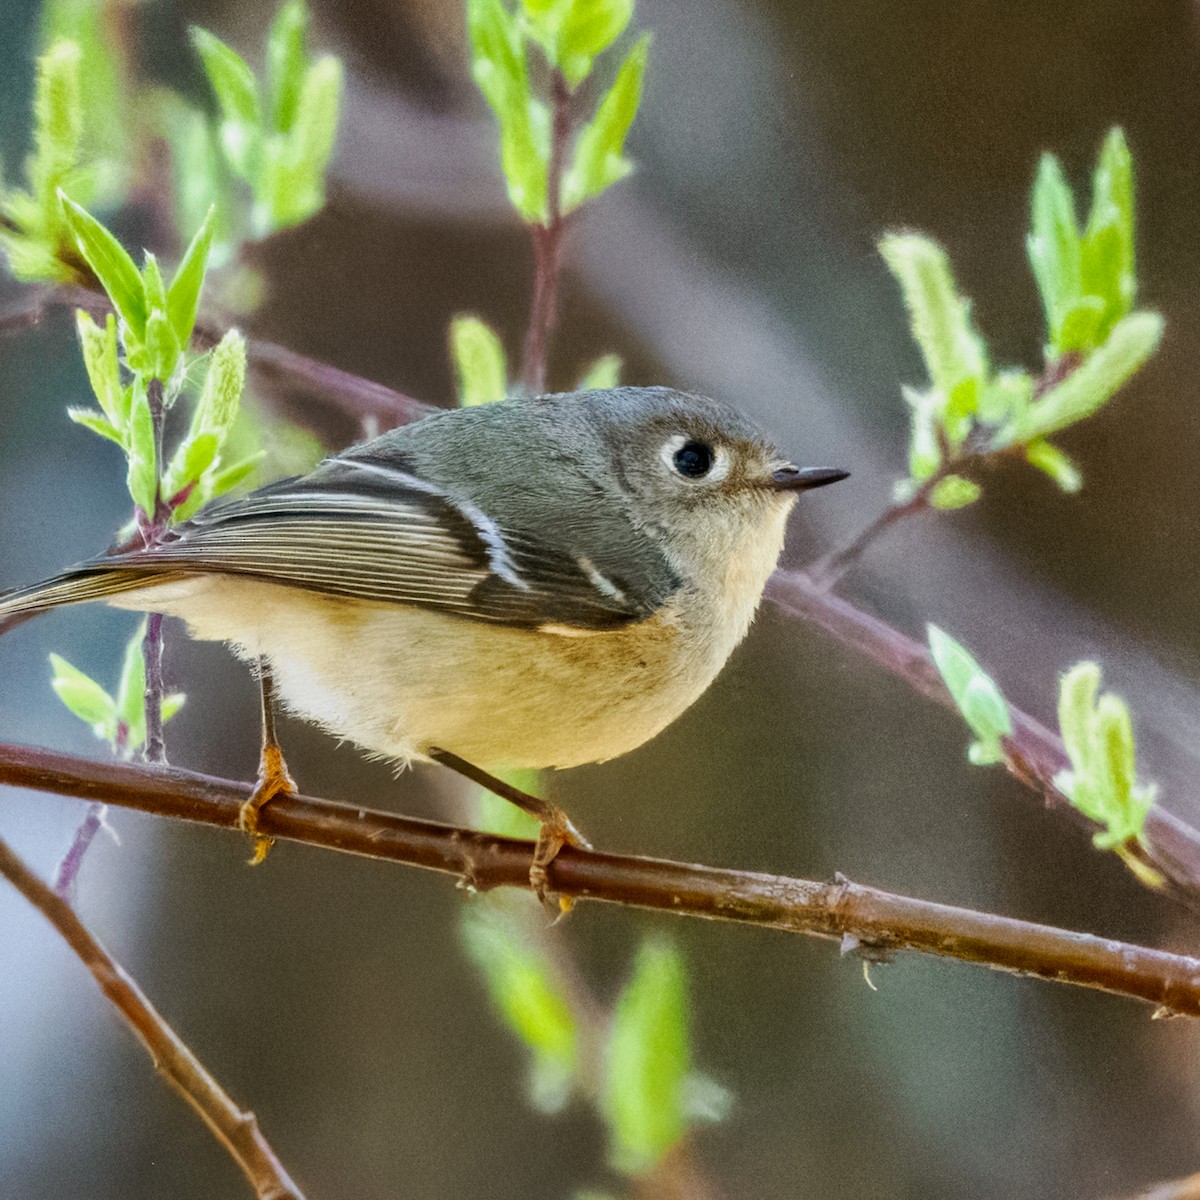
(693, 459)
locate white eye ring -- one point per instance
(721, 460)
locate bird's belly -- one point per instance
(401, 681)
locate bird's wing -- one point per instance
(381, 533)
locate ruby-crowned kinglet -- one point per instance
(538, 582)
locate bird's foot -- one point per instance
(273, 780)
(555, 833)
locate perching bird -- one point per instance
(539, 582)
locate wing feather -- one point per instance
(369, 532)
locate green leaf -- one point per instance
(236, 90)
(90, 419)
(1108, 249)
(111, 265)
(294, 177)
(479, 364)
(924, 448)
(159, 355)
(954, 492)
(84, 697)
(286, 63)
(57, 130)
(183, 298)
(602, 374)
(599, 160)
(224, 383)
(579, 30)
(1102, 784)
(227, 479)
(172, 702)
(198, 181)
(528, 996)
(976, 695)
(499, 69)
(99, 348)
(647, 1060)
(190, 463)
(1054, 250)
(1091, 385)
(153, 285)
(940, 320)
(131, 691)
(141, 477)
(1059, 466)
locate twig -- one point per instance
(235, 1129)
(1033, 754)
(374, 403)
(865, 920)
(68, 869)
(547, 240)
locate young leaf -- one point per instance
(99, 348)
(1054, 250)
(1091, 385)
(940, 319)
(131, 691)
(57, 128)
(310, 144)
(1108, 250)
(479, 364)
(111, 265)
(954, 492)
(236, 90)
(224, 383)
(647, 1059)
(286, 62)
(1059, 466)
(1102, 782)
(90, 419)
(588, 28)
(605, 372)
(599, 160)
(183, 298)
(525, 991)
(84, 697)
(499, 70)
(140, 476)
(976, 695)
(158, 356)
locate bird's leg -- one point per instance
(556, 828)
(273, 777)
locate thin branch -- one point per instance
(68, 869)
(374, 404)
(547, 240)
(235, 1129)
(1033, 754)
(864, 920)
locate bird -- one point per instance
(539, 582)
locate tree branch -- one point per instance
(235, 1129)
(1033, 754)
(547, 240)
(865, 920)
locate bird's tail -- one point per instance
(96, 580)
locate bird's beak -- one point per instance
(790, 478)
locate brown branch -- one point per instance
(1034, 754)
(373, 404)
(865, 920)
(547, 241)
(235, 1129)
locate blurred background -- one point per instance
(332, 996)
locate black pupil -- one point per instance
(693, 459)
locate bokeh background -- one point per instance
(775, 143)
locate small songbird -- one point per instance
(539, 582)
